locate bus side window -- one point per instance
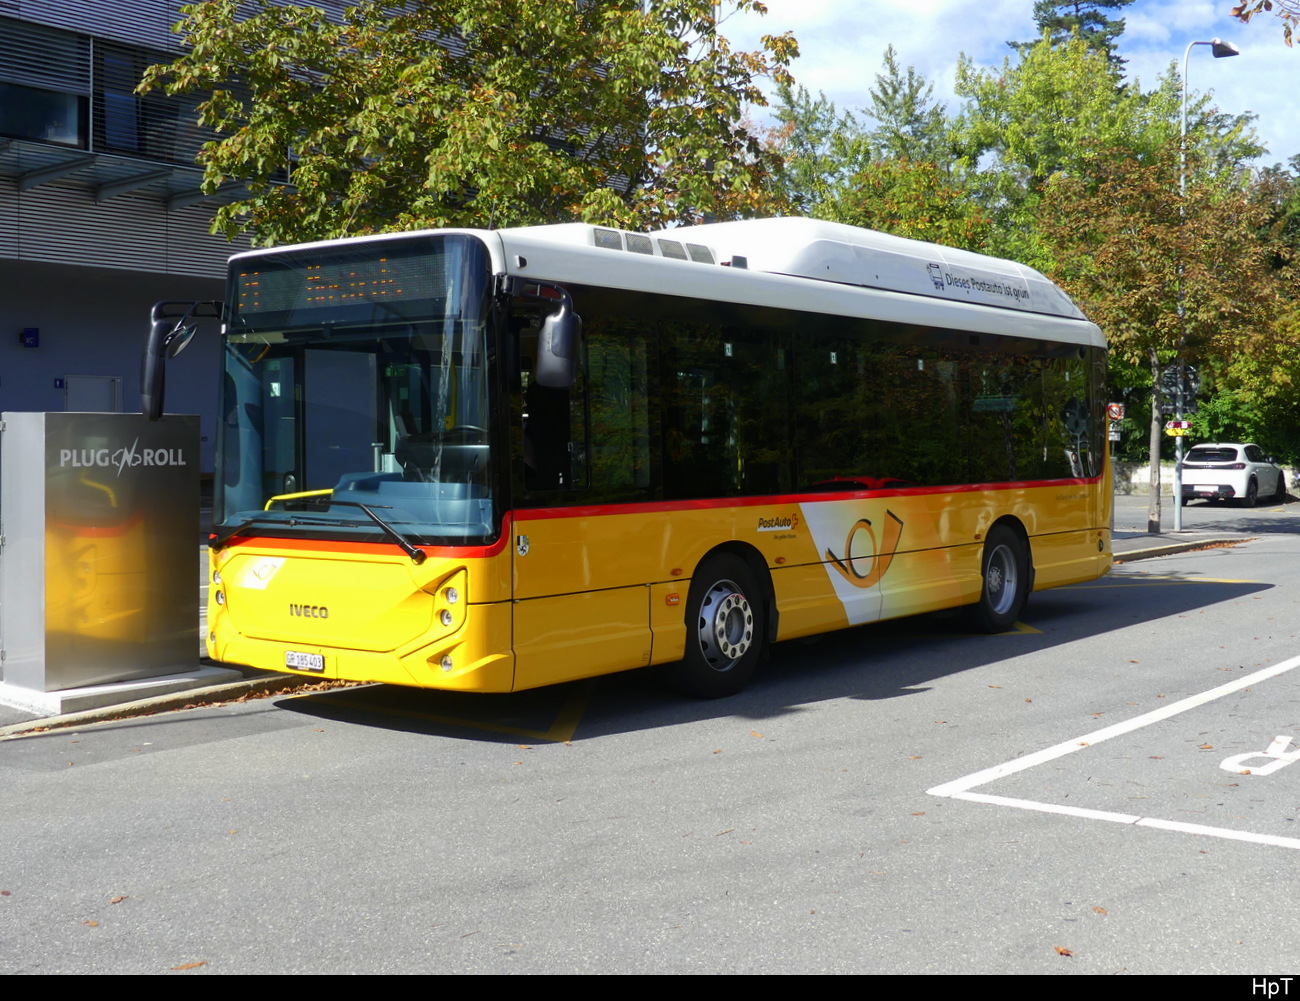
(616, 377)
(554, 424)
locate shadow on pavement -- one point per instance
(887, 660)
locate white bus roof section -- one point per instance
(833, 252)
(807, 265)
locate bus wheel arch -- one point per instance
(728, 624)
(1007, 577)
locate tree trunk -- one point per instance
(1153, 507)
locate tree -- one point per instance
(820, 148)
(895, 175)
(473, 113)
(1052, 112)
(910, 124)
(1287, 10)
(1088, 19)
(916, 199)
(1148, 266)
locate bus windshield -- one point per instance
(356, 400)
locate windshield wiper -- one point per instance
(417, 556)
(220, 542)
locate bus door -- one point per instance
(581, 602)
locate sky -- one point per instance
(842, 42)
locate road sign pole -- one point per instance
(1178, 457)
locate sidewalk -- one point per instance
(1127, 546)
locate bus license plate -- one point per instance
(304, 661)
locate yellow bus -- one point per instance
(495, 460)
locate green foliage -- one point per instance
(910, 124)
(885, 175)
(915, 199)
(474, 112)
(1253, 393)
(1087, 19)
(820, 148)
(1148, 265)
(1052, 111)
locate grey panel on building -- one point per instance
(136, 22)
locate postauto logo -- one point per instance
(127, 457)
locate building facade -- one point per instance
(101, 211)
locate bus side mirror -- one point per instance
(558, 348)
(168, 337)
(153, 370)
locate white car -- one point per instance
(1222, 471)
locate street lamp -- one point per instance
(1220, 50)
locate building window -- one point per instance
(43, 115)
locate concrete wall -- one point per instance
(1135, 478)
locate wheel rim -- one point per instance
(1002, 580)
(726, 626)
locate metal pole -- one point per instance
(1220, 49)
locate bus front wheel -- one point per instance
(1006, 581)
(724, 630)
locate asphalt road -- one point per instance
(1202, 516)
(1106, 789)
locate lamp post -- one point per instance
(1220, 50)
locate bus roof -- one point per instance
(810, 265)
(845, 255)
(791, 263)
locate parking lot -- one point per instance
(1067, 797)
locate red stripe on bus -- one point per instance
(371, 548)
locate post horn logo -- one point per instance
(883, 551)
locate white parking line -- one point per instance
(961, 788)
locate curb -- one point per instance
(271, 684)
(1168, 549)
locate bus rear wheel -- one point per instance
(1006, 581)
(725, 630)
